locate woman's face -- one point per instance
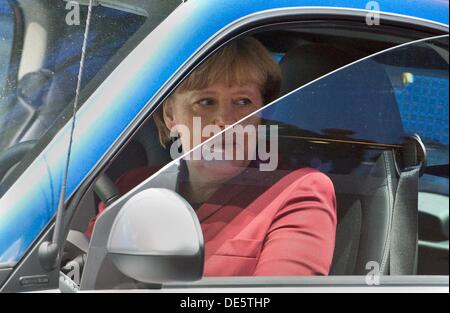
(219, 105)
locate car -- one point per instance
(370, 110)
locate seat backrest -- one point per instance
(307, 62)
(364, 176)
(365, 207)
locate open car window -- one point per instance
(349, 127)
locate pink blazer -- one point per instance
(277, 225)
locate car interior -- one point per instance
(365, 173)
(365, 176)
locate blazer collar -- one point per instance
(231, 190)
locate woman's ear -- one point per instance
(168, 113)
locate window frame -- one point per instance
(276, 283)
(185, 71)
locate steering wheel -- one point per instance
(104, 187)
(14, 155)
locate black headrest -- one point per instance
(32, 88)
(308, 62)
(357, 102)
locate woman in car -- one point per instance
(272, 223)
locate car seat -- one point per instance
(346, 107)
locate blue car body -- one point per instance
(27, 208)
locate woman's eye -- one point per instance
(244, 101)
(206, 102)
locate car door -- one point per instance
(360, 166)
(350, 126)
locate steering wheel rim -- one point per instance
(104, 187)
(14, 156)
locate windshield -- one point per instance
(40, 52)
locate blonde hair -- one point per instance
(240, 62)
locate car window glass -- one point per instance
(343, 125)
(39, 103)
(304, 185)
(45, 90)
(422, 95)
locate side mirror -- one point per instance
(156, 238)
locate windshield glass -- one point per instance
(40, 52)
